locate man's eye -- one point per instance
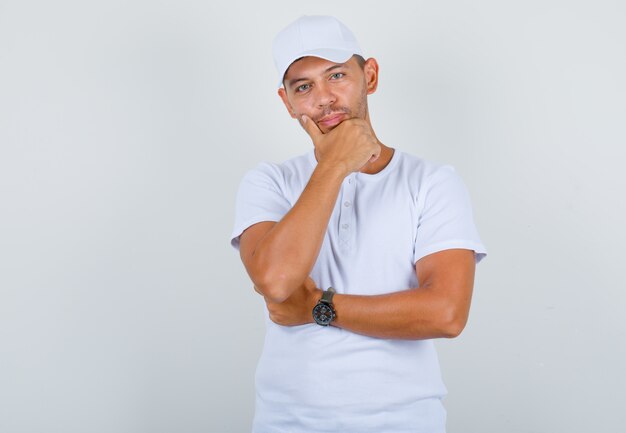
(337, 75)
(302, 88)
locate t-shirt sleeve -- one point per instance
(446, 219)
(259, 199)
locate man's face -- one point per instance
(328, 92)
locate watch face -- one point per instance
(323, 314)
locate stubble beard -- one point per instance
(359, 112)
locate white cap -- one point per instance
(319, 36)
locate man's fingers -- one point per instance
(310, 127)
(376, 155)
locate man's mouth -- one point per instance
(331, 120)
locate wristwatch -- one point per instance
(323, 312)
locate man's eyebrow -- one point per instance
(292, 82)
(339, 65)
(296, 80)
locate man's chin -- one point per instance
(327, 129)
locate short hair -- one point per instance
(360, 60)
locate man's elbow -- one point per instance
(454, 323)
(274, 289)
(271, 294)
(453, 330)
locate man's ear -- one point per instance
(370, 69)
(283, 95)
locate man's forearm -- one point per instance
(279, 259)
(438, 308)
(284, 257)
(413, 314)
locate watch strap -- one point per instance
(327, 295)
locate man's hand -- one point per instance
(298, 308)
(349, 146)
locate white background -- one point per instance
(125, 127)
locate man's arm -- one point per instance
(438, 308)
(280, 256)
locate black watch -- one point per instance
(323, 312)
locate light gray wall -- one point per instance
(125, 127)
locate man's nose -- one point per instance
(325, 95)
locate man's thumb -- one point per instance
(310, 127)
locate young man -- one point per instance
(362, 253)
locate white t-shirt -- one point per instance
(325, 379)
